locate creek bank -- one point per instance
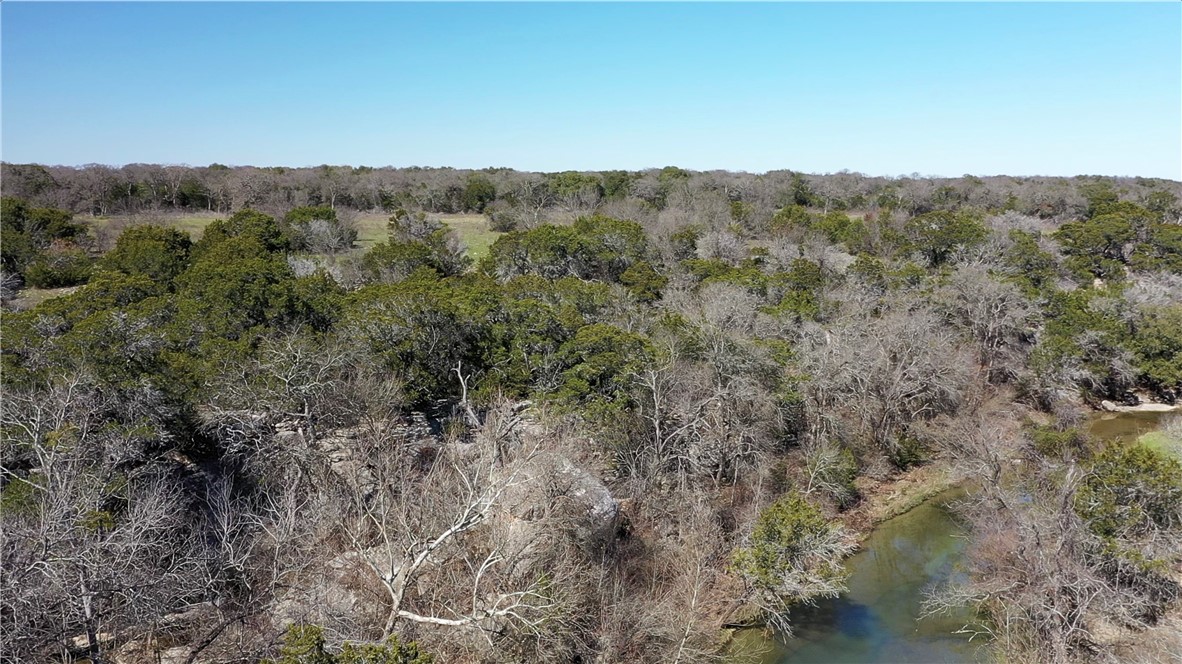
(1110, 407)
(880, 617)
(882, 499)
(897, 494)
(1162, 641)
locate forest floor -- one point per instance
(1160, 643)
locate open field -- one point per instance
(107, 229)
(371, 228)
(471, 228)
(473, 231)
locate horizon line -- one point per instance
(914, 175)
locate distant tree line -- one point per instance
(753, 198)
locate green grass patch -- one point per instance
(472, 230)
(1163, 442)
(106, 230)
(371, 229)
(31, 297)
(195, 224)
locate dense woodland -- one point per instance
(655, 408)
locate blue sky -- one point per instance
(933, 88)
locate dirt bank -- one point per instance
(885, 498)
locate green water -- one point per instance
(879, 618)
(1126, 427)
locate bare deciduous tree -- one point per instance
(428, 528)
(94, 552)
(1031, 575)
(995, 315)
(885, 372)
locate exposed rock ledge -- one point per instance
(1139, 408)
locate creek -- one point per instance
(880, 617)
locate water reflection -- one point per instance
(1125, 427)
(879, 619)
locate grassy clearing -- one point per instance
(1163, 442)
(192, 223)
(472, 230)
(31, 297)
(107, 229)
(371, 228)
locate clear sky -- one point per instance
(885, 89)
